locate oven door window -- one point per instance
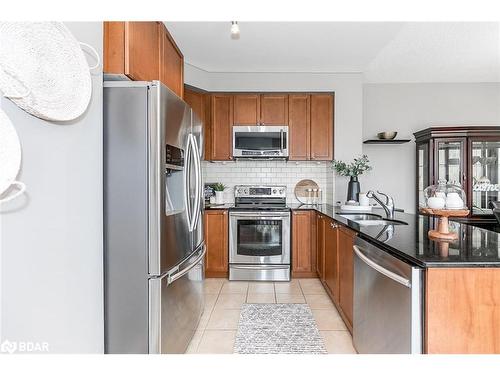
(258, 141)
(259, 237)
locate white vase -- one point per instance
(219, 197)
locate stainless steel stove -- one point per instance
(259, 234)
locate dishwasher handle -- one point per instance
(377, 267)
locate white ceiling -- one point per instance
(383, 51)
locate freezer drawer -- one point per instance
(387, 302)
(175, 305)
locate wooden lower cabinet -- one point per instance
(304, 243)
(346, 272)
(462, 311)
(216, 239)
(331, 272)
(320, 246)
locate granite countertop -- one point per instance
(476, 247)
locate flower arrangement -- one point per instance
(353, 169)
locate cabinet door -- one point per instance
(171, 62)
(142, 47)
(273, 109)
(331, 259)
(216, 240)
(198, 102)
(303, 244)
(246, 109)
(221, 127)
(484, 174)
(299, 117)
(320, 246)
(450, 160)
(346, 271)
(322, 127)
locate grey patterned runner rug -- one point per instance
(283, 328)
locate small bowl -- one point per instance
(387, 135)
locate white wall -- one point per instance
(348, 103)
(407, 108)
(51, 238)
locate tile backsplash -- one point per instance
(276, 172)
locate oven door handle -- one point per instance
(260, 217)
(281, 141)
(259, 214)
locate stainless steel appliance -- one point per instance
(387, 302)
(260, 142)
(259, 234)
(153, 219)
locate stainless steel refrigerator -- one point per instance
(153, 219)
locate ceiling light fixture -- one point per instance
(235, 30)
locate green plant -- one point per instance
(219, 186)
(353, 169)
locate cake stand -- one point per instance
(443, 230)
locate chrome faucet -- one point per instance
(388, 206)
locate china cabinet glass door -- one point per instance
(485, 171)
(423, 164)
(450, 155)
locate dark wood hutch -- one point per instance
(462, 155)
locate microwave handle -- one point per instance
(281, 141)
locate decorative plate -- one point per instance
(43, 70)
(301, 190)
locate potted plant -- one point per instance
(219, 192)
(352, 170)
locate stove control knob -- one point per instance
(274, 191)
(282, 190)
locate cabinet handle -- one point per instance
(224, 213)
(333, 225)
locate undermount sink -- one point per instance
(371, 219)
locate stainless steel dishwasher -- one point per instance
(387, 302)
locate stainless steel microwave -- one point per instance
(260, 142)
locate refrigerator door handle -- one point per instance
(199, 189)
(178, 275)
(187, 172)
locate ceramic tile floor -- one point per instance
(223, 299)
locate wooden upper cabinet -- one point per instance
(299, 130)
(221, 126)
(273, 109)
(322, 126)
(143, 51)
(246, 109)
(331, 271)
(346, 271)
(216, 239)
(171, 62)
(200, 103)
(304, 243)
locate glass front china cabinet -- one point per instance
(467, 156)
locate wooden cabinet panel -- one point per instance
(299, 127)
(171, 62)
(273, 109)
(303, 244)
(320, 246)
(200, 103)
(221, 126)
(216, 240)
(346, 271)
(246, 109)
(331, 271)
(462, 311)
(322, 127)
(142, 50)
